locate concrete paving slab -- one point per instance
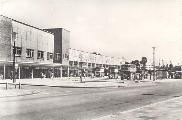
(87, 82)
(16, 92)
(165, 110)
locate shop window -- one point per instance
(40, 54)
(30, 53)
(18, 51)
(66, 56)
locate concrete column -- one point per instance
(32, 73)
(19, 72)
(61, 71)
(68, 71)
(94, 65)
(4, 76)
(87, 70)
(53, 72)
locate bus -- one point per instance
(128, 71)
(113, 73)
(178, 72)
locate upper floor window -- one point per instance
(58, 56)
(18, 51)
(49, 55)
(66, 56)
(30, 53)
(40, 54)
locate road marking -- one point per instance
(131, 110)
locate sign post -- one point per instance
(14, 52)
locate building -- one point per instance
(89, 61)
(61, 51)
(34, 48)
(44, 51)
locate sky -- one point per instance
(120, 28)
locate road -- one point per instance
(54, 103)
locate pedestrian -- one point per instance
(1, 76)
(11, 75)
(52, 75)
(42, 75)
(80, 75)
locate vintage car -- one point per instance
(178, 75)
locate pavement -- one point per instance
(166, 110)
(170, 109)
(71, 82)
(16, 92)
(87, 82)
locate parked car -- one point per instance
(178, 75)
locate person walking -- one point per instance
(52, 75)
(42, 75)
(11, 75)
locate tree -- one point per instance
(137, 63)
(170, 70)
(170, 66)
(143, 62)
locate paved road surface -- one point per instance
(53, 103)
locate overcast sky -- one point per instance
(122, 28)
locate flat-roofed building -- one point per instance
(61, 51)
(44, 51)
(88, 61)
(34, 48)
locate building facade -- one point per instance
(34, 48)
(45, 51)
(89, 61)
(61, 51)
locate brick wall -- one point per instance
(5, 39)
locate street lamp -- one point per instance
(81, 66)
(14, 52)
(154, 62)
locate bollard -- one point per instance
(15, 85)
(6, 85)
(19, 85)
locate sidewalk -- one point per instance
(65, 83)
(87, 82)
(166, 110)
(16, 92)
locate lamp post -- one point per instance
(81, 66)
(14, 52)
(154, 62)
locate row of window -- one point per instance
(30, 54)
